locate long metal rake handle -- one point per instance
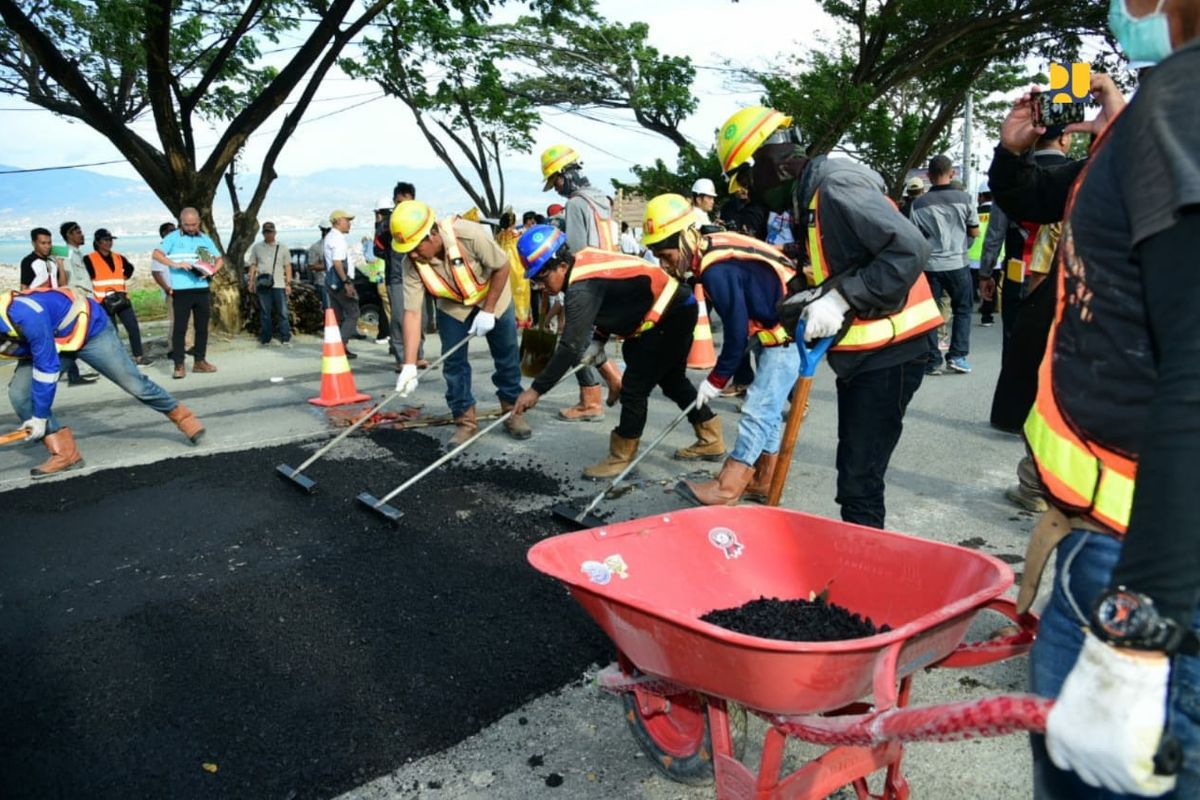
(657, 441)
(372, 412)
(478, 434)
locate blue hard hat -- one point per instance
(537, 247)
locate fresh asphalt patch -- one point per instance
(200, 628)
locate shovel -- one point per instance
(809, 359)
(537, 347)
(582, 519)
(391, 513)
(308, 484)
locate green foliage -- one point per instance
(148, 304)
(658, 178)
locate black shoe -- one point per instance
(82, 379)
(191, 351)
(143, 361)
(359, 336)
(351, 356)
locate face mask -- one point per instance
(1143, 39)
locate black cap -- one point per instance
(102, 233)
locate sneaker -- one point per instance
(958, 364)
(937, 369)
(987, 322)
(264, 344)
(287, 344)
(83, 380)
(383, 340)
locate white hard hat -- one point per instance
(322, 223)
(984, 188)
(384, 203)
(704, 186)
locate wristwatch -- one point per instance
(1123, 618)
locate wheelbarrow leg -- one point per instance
(771, 762)
(895, 785)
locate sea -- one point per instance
(137, 246)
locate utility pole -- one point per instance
(966, 150)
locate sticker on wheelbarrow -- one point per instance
(726, 541)
(601, 572)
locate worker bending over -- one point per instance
(612, 294)
(35, 328)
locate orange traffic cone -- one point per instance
(337, 384)
(702, 355)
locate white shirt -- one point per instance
(702, 217)
(629, 244)
(336, 249)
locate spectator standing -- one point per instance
(630, 245)
(162, 276)
(741, 215)
(271, 261)
(38, 269)
(73, 272)
(912, 190)
(506, 237)
(704, 199)
(987, 301)
(189, 288)
(316, 261)
(339, 277)
(109, 272)
(394, 278)
(948, 218)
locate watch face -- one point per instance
(1124, 615)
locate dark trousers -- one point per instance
(271, 302)
(871, 409)
(345, 308)
(659, 358)
(189, 302)
(129, 321)
(1010, 305)
(957, 284)
(987, 308)
(1016, 386)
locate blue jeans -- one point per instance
(104, 353)
(502, 342)
(273, 300)
(1084, 565)
(956, 283)
(761, 425)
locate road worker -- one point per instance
(870, 291)
(458, 263)
(745, 280)
(1115, 427)
(35, 328)
(588, 222)
(612, 294)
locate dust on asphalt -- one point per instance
(199, 627)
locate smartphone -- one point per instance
(1050, 114)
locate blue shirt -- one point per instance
(178, 246)
(740, 291)
(36, 318)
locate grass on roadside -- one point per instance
(148, 304)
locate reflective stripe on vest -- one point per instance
(466, 289)
(1077, 474)
(71, 332)
(607, 238)
(719, 247)
(919, 315)
(591, 262)
(107, 279)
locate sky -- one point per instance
(714, 33)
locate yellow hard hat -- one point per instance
(744, 132)
(554, 158)
(410, 224)
(666, 215)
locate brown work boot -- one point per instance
(516, 425)
(589, 407)
(180, 371)
(64, 455)
(465, 427)
(726, 490)
(760, 484)
(620, 452)
(709, 444)
(186, 421)
(612, 377)
(203, 366)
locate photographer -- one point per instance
(1115, 430)
(270, 260)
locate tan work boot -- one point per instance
(726, 490)
(64, 455)
(612, 377)
(186, 421)
(620, 452)
(1026, 499)
(760, 484)
(516, 425)
(589, 407)
(465, 427)
(709, 444)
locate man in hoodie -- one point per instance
(588, 222)
(870, 293)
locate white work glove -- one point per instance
(594, 352)
(706, 393)
(482, 324)
(1108, 720)
(824, 316)
(406, 381)
(36, 427)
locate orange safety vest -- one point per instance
(107, 279)
(466, 287)
(71, 332)
(591, 262)
(717, 247)
(919, 315)
(1078, 474)
(609, 239)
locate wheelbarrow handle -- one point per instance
(976, 654)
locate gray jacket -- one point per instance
(580, 221)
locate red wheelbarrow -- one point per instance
(647, 582)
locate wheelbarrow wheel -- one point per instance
(674, 733)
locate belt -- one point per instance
(1051, 528)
